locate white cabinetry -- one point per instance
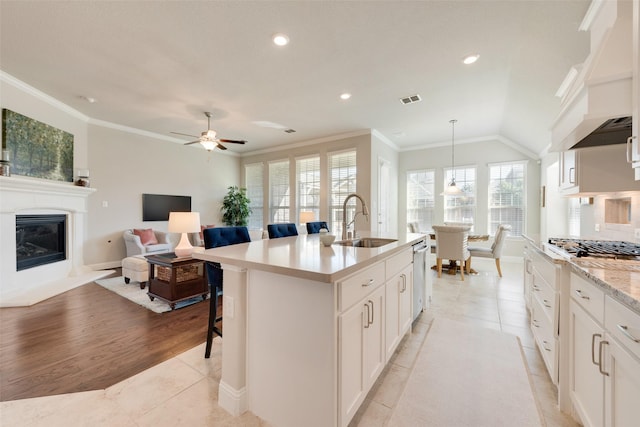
(545, 310)
(528, 274)
(586, 383)
(398, 299)
(605, 358)
(635, 95)
(361, 337)
(596, 170)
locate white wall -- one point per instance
(478, 154)
(590, 215)
(125, 165)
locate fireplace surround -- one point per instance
(40, 240)
(22, 196)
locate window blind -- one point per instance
(507, 196)
(342, 182)
(308, 185)
(461, 208)
(279, 192)
(421, 198)
(254, 177)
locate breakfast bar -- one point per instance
(308, 328)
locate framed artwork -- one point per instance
(37, 149)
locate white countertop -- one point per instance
(305, 257)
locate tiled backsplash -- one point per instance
(593, 216)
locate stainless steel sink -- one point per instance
(365, 242)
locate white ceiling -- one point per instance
(158, 65)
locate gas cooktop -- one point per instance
(598, 248)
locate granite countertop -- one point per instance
(305, 257)
(618, 278)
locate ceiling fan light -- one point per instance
(208, 145)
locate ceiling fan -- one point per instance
(208, 138)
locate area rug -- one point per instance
(467, 376)
(133, 293)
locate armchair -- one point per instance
(135, 246)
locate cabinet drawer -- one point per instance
(544, 268)
(357, 286)
(623, 324)
(588, 296)
(546, 297)
(545, 339)
(397, 262)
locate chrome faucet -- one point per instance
(364, 212)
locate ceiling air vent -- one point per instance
(411, 99)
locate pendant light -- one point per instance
(452, 189)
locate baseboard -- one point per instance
(232, 400)
(105, 265)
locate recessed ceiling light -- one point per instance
(345, 96)
(470, 59)
(281, 39)
(88, 99)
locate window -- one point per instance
(308, 185)
(574, 216)
(279, 193)
(253, 178)
(420, 198)
(342, 182)
(461, 208)
(507, 196)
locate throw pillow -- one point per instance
(147, 236)
(202, 227)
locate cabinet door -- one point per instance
(398, 302)
(374, 356)
(362, 356)
(586, 382)
(352, 347)
(635, 96)
(622, 387)
(568, 172)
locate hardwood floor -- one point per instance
(87, 339)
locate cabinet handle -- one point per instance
(544, 345)
(535, 323)
(572, 175)
(579, 293)
(593, 349)
(369, 283)
(625, 331)
(600, 351)
(366, 325)
(528, 266)
(404, 283)
(546, 303)
(535, 288)
(629, 148)
(372, 312)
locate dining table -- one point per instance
(453, 266)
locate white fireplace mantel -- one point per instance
(23, 195)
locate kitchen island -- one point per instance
(307, 329)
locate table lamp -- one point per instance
(184, 222)
(306, 216)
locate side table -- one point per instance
(173, 279)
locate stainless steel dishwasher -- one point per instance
(420, 296)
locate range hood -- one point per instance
(612, 131)
(597, 107)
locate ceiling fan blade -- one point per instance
(233, 141)
(184, 134)
(222, 147)
(192, 142)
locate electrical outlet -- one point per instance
(105, 204)
(228, 307)
(597, 227)
(637, 233)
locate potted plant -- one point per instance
(235, 207)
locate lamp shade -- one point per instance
(184, 222)
(307, 216)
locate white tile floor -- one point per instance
(183, 391)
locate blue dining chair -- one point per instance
(215, 238)
(282, 230)
(314, 227)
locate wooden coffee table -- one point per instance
(173, 279)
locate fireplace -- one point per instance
(40, 240)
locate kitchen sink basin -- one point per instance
(366, 242)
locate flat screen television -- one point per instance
(156, 207)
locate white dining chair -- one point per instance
(494, 251)
(452, 244)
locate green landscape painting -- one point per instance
(37, 149)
